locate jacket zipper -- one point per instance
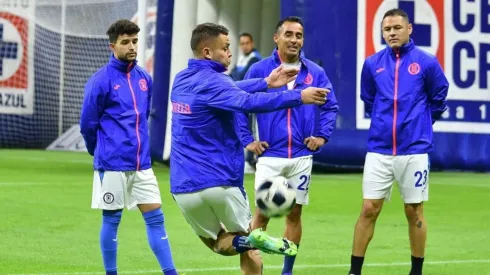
(395, 104)
(137, 117)
(290, 131)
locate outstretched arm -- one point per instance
(224, 94)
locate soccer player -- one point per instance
(290, 137)
(114, 125)
(404, 91)
(207, 158)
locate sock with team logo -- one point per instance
(241, 244)
(108, 239)
(158, 239)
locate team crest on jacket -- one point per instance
(414, 68)
(309, 79)
(143, 85)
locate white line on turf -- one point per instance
(319, 266)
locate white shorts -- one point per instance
(209, 210)
(115, 190)
(410, 171)
(296, 170)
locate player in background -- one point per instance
(404, 91)
(207, 158)
(290, 137)
(114, 126)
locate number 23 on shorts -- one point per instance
(305, 183)
(420, 178)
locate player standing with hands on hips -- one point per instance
(290, 137)
(404, 91)
(114, 125)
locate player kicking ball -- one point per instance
(207, 158)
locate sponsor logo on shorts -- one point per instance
(108, 198)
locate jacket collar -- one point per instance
(303, 71)
(194, 63)
(405, 48)
(122, 66)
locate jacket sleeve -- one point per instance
(250, 85)
(328, 111)
(150, 94)
(253, 85)
(368, 91)
(437, 87)
(242, 130)
(222, 93)
(92, 109)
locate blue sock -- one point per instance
(158, 239)
(108, 239)
(288, 264)
(241, 244)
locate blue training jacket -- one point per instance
(286, 130)
(205, 149)
(404, 93)
(114, 117)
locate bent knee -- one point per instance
(223, 251)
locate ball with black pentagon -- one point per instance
(275, 197)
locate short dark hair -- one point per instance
(121, 27)
(247, 35)
(396, 12)
(295, 19)
(205, 31)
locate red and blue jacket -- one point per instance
(404, 92)
(114, 117)
(286, 130)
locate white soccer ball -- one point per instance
(275, 197)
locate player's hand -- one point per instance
(281, 76)
(314, 95)
(314, 143)
(257, 147)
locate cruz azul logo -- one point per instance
(457, 32)
(16, 70)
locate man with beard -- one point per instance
(114, 125)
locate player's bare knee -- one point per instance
(414, 212)
(144, 208)
(371, 209)
(294, 217)
(222, 244)
(259, 221)
(223, 250)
